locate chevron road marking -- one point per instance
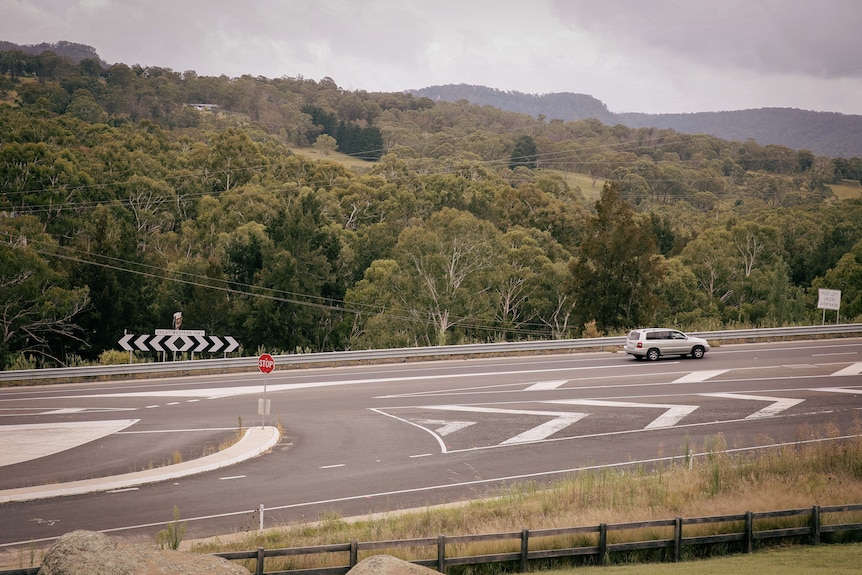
(850, 390)
(446, 427)
(779, 403)
(671, 417)
(562, 419)
(697, 376)
(546, 385)
(852, 369)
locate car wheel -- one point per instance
(652, 354)
(697, 352)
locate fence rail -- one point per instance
(250, 362)
(743, 529)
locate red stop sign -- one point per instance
(265, 363)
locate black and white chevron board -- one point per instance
(179, 340)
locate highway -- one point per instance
(367, 439)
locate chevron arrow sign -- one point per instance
(124, 342)
(168, 340)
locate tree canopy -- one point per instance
(298, 216)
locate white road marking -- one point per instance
(697, 376)
(231, 477)
(673, 415)
(19, 443)
(220, 392)
(547, 429)
(546, 385)
(839, 390)
(779, 403)
(852, 369)
(124, 490)
(446, 427)
(421, 455)
(562, 419)
(333, 466)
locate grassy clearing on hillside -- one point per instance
(819, 470)
(847, 190)
(344, 159)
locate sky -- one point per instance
(652, 56)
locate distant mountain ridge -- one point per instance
(823, 133)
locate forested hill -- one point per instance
(823, 133)
(297, 216)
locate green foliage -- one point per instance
(113, 357)
(616, 277)
(121, 202)
(172, 535)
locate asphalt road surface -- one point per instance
(369, 439)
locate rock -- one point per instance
(90, 553)
(388, 565)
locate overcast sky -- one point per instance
(634, 55)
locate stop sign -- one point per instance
(265, 363)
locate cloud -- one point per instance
(794, 37)
(634, 55)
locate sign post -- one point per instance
(265, 364)
(829, 299)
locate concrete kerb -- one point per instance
(256, 441)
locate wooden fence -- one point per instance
(545, 544)
(737, 532)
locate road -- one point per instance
(357, 440)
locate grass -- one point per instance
(831, 559)
(699, 481)
(847, 190)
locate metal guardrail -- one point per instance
(250, 362)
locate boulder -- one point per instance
(90, 553)
(388, 565)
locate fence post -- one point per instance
(441, 553)
(677, 539)
(354, 553)
(525, 546)
(603, 542)
(815, 525)
(749, 532)
(260, 556)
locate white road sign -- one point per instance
(829, 299)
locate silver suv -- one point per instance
(654, 342)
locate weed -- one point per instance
(172, 535)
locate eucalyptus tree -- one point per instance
(439, 285)
(39, 306)
(847, 277)
(615, 276)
